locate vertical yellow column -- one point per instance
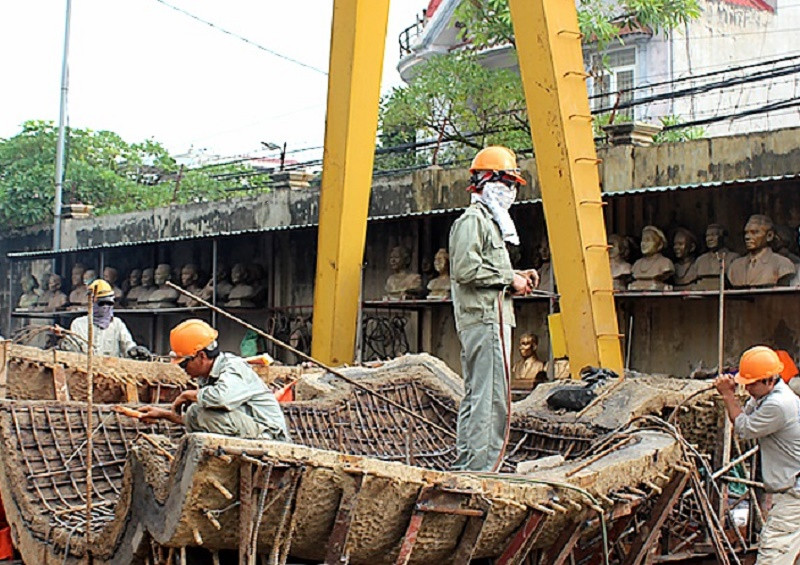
(356, 63)
(551, 63)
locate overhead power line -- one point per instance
(242, 38)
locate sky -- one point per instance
(144, 70)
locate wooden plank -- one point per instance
(4, 347)
(131, 393)
(60, 383)
(245, 513)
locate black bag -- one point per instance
(577, 397)
(572, 398)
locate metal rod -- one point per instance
(214, 267)
(630, 342)
(733, 463)
(62, 114)
(310, 359)
(727, 428)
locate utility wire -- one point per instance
(700, 76)
(242, 38)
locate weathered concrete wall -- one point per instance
(716, 159)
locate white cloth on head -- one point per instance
(498, 198)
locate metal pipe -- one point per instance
(61, 136)
(310, 359)
(214, 266)
(727, 429)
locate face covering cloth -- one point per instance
(102, 314)
(498, 198)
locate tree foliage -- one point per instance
(453, 98)
(488, 22)
(457, 99)
(103, 170)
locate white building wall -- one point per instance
(726, 36)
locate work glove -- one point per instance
(140, 352)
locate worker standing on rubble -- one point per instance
(232, 400)
(771, 416)
(483, 282)
(111, 336)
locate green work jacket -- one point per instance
(480, 269)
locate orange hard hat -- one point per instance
(189, 337)
(757, 363)
(789, 368)
(497, 158)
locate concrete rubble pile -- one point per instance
(363, 482)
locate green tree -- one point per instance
(105, 171)
(453, 98)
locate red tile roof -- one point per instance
(433, 5)
(755, 4)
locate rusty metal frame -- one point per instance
(523, 540)
(651, 530)
(442, 500)
(560, 551)
(336, 552)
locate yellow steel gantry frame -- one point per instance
(551, 63)
(351, 124)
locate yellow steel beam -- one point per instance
(551, 64)
(356, 63)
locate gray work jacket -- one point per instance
(233, 385)
(480, 269)
(774, 420)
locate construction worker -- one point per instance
(231, 400)
(483, 283)
(111, 336)
(772, 417)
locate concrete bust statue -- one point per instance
(618, 254)
(402, 283)
(78, 293)
(528, 371)
(761, 266)
(162, 296)
(223, 285)
(439, 287)
(30, 293)
(111, 275)
(708, 264)
(652, 271)
(244, 291)
(139, 296)
(190, 276)
(53, 298)
(684, 245)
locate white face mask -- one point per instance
(504, 195)
(498, 198)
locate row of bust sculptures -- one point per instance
(244, 287)
(769, 259)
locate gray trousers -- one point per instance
(234, 423)
(484, 409)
